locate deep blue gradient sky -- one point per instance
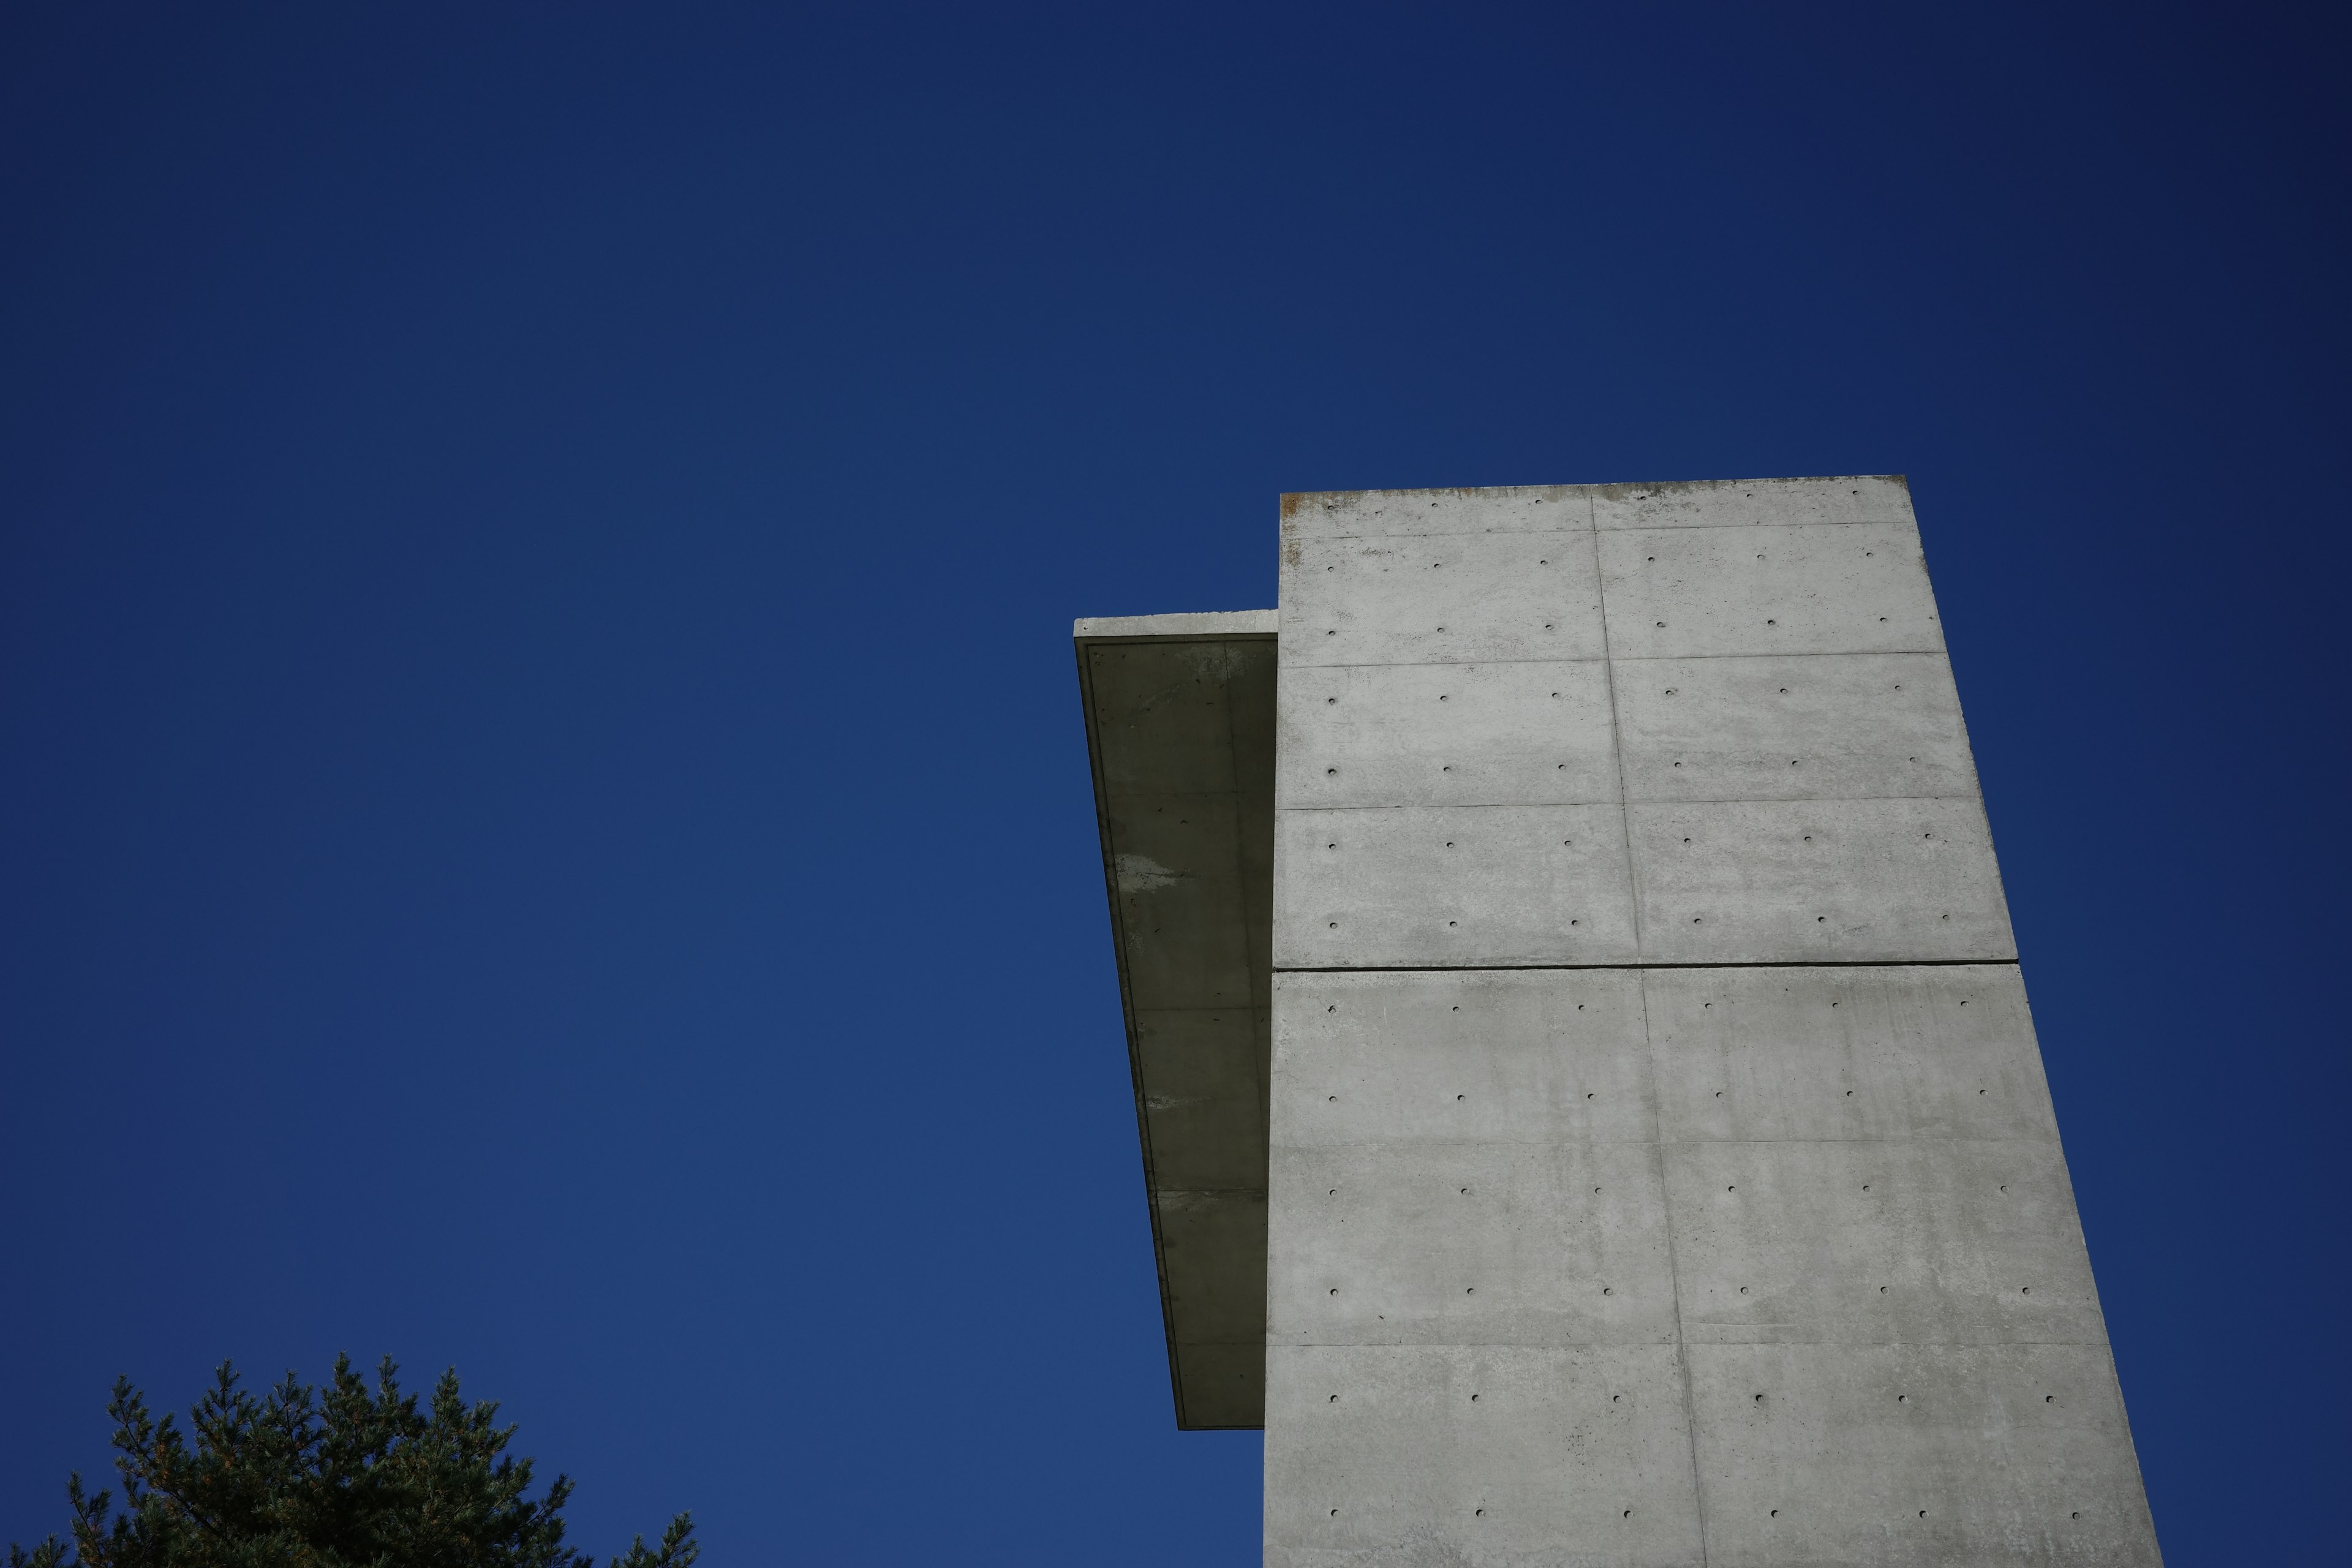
(544, 824)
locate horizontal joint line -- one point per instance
(1701, 964)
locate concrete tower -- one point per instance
(1590, 1112)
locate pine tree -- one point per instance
(353, 1478)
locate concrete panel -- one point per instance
(1779, 1054)
(1860, 726)
(1945, 1242)
(1441, 887)
(1381, 1456)
(1163, 713)
(1222, 1384)
(1373, 514)
(1180, 890)
(1536, 734)
(1817, 881)
(1744, 504)
(1470, 1243)
(1531, 1056)
(1684, 593)
(1214, 1247)
(1475, 598)
(1872, 1457)
(1180, 732)
(1191, 626)
(1204, 1107)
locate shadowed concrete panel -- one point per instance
(1179, 725)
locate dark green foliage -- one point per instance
(357, 1478)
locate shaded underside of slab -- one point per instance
(1180, 734)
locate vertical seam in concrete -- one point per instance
(1673, 1272)
(1649, 1047)
(1616, 734)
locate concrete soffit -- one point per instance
(1180, 715)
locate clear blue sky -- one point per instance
(544, 824)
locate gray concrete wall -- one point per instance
(1662, 1168)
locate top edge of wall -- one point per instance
(1530, 509)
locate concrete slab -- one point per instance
(1180, 729)
(1686, 593)
(1853, 1053)
(1375, 514)
(1446, 1455)
(1861, 726)
(1532, 734)
(1817, 881)
(1453, 886)
(1470, 1241)
(1945, 1242)
(1915, 1454)
(1532, 1056)
(1745, 503)
(1466, 598)
(1203, 1105)
(1656, 1161)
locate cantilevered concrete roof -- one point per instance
(1180, 728)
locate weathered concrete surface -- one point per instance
(1179, 725)
(1661, 1165)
